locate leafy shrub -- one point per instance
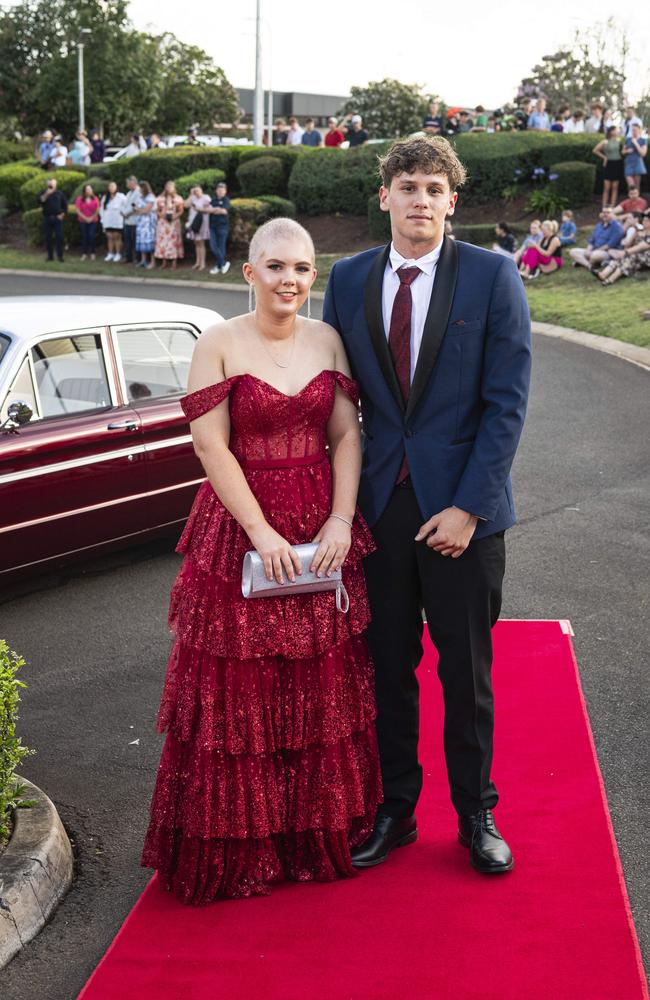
(287, 155)
(33, 220)
(334, 180)
(99, 186)
(13, 151)
(378, 221)
(160, 165)
(278, 206)
(574, 181)
(12, 750)
(547, 202)
(12, 178)
(99, 170)
(208, 180)
(262, 175)
(67, 181)
(246, 214)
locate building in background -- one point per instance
(285, 104)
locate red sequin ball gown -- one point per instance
(270, 767)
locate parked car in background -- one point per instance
(95, 451)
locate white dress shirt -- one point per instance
(421, 289)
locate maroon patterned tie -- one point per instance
(399, 338)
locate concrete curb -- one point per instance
(35, 872)
(608, 345)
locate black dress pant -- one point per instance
(462, 600)
(128, 241)
(53, 235)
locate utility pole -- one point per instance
(258, 106)
(80, 67)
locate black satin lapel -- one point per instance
(375, 320)
(435, 324)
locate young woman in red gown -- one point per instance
(270, 768)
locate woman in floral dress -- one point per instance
(169, 239)
(145, 229)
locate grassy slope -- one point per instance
(571, 298)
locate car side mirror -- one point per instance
(18, 413)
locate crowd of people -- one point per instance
(141, 228)
(348, 132)
(618, 246)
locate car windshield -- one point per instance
(4, 345)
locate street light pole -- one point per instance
(80, 67)
(258, 107)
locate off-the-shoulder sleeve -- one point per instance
(195, 404)
(348, 386)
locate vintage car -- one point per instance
(95, 451)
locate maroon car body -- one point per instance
(106, 460)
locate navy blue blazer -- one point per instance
(467, 404)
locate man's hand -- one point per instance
(448, 532)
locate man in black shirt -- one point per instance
(55, 205)
(219, 225)
(355, 134)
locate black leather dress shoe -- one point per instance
(489, 852)
(387, 834)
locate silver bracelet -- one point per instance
(344, 519)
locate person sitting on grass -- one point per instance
(607, 235)
(630, 206)
(568, 229)
(532, 240)
(635, 258)
(506, 243)
(545, 258)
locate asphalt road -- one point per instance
(96, 643)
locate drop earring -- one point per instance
(251, 298)
(309, 304)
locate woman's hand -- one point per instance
(335, 539)
(277, 555)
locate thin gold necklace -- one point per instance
(265, 346)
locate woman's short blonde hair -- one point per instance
(552, 223)
(274, 231)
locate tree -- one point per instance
(133, 81)
(591, 67)
(389, 108)
(193, 89)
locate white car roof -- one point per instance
(27, 316)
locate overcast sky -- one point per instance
(470, 53)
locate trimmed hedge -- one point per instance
(334, 180)
(278, 207)
(287, 155)
(33, 220)
(494, 162)
(574, 181)
(378, 221)
(262, 175)
(10, 152)
(246, 214)
(12, 178)
(207, 179)
(160, 165)
(99, 186)
(67, 181)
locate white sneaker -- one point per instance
(117, 257)
(226, 267)
(215, 270)
(109, 256)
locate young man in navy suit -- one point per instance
(438, 336)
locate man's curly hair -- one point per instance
(428, 154)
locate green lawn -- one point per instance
(572, 297)
(35, 260)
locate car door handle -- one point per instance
(122, 425)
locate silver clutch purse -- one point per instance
(255, 584)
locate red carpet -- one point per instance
(425, 926)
